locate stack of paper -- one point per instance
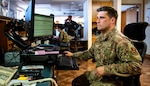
(6, 74)
(32, 67)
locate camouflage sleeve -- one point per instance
(129, 63)
(65, 35)
(84, 55)
(61, 37)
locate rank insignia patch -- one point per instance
(133, 50)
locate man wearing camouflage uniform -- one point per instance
(114, 54)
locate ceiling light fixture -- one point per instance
(72, 3)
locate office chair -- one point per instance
(136, 32)
(64, 46)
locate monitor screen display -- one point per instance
(43, 25)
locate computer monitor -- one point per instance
(43, 25)
(38, 26)
(29, 19)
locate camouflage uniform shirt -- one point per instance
(116, 53)
(63, 37)
(63, 40)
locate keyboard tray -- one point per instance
(66, 63)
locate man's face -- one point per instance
(4, 4)
(69, 18)
(103, 21)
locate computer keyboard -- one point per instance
(46, 45)
(66, 63)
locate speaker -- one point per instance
(12, 57)
(1, 56)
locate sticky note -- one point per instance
(23, 78)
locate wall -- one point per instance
(18, 12)
(132, 2)
(147, 40)
(123, 20)
(87, 22)
(129, 15)
(14, 8)
(117, 6)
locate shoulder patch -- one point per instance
(134, 50)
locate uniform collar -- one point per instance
(104, 37)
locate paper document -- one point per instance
(52, 52)
(32, 67)
(15, 81)
(43, 52)
(6, 74)
(40, 52)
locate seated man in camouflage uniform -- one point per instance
(63, 38)
(114, 54)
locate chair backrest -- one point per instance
(141, 47)
(136, 31)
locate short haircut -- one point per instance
(110, 11)
(4, 1)
(70, 16)
(61, 26)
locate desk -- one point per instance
(79, 44)
(42, 57)
(47, 59)
(39, 56)
(47, 72)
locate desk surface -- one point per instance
(48, 72)
(43, 51)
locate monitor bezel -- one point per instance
(29, 19)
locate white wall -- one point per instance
(17, 11)
(132, 2)
(117, 6)
(87, 22)
(14, 8)
(147, 13)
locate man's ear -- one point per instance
(113, 20)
